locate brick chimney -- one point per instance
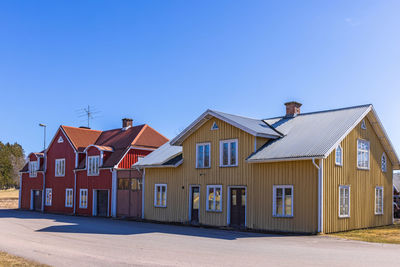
(292, 109)
(126, 123)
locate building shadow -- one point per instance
(107, 226)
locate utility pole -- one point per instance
(44, 134)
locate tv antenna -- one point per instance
(89, 114)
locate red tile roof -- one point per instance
(81, 137)
(117, 141)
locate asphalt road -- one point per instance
(60, 240)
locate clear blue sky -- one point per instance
(166, 62)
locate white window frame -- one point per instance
(33, 168)
(91, 171)
(213, 209)
(69, 192)
(57, 168)
(85, 204)
(346, 187)
(283, 187)
(161, 205)
(204, 153)
(339, 163)
(214, 126)
(384, 164)
(377, 212)
(363, 151)
(221, 152)
(49, 197)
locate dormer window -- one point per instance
(93, 165)
(339, 155)
(383, 162)
(33, 168)
(363, 126)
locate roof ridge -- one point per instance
(322, 111)
(241, 116)
(140, 125)
(79, 128)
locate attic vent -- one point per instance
(214, 126)
(363, 126)
(60, 140)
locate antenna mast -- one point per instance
(88, 113)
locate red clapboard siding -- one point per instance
(132, 157)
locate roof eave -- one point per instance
(284, 159)
(159, 165)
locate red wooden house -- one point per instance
(88, 172)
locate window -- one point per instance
(60, 140)
(362, 154)
(203, 158)
(60, 167)
(228, 153)
(339, 156)
(33, 167)
(214, 126)
(378, 200)
(93, 165)
(83, 198)
(214, 200)
(49, 196)
(344, 201)
(383, 162)
(69, 197)
(160, 195)
(126, 184)
(283, 201)
(363, 126)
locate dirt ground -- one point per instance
(7, 260)
(9, 199)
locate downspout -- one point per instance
(114, 192)
(74, 192)
(320, 169)
(44, 190)
(44, 179)
(20, 190)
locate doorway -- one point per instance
(37, 200)
(194, 204)
(102, 203)
(238, 207)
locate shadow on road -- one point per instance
(106, 226)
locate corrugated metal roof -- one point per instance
(307, 135)
(254, 127)
(160, 156)
(310, 134)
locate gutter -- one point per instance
(320, 169)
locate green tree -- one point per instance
(12, 159)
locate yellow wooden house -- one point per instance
(316, 172)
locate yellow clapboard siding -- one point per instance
(258, 178)
(362, 184)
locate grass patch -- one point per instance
(384, 234)
(7, 260)
(9, 199)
